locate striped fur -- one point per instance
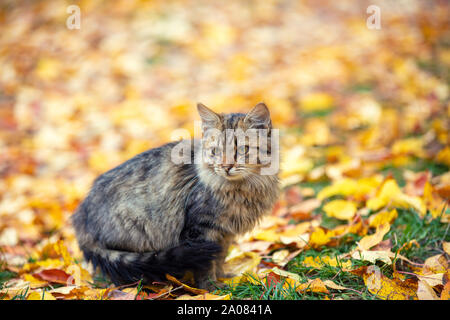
(149, 216)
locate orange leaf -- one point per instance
(185, 286)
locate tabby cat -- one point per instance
(151, 216)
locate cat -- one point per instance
(151, 216)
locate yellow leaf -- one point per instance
(40, 296)
(294, 161)
(48, 68)
(206, 296)
(320, 237)
(319, 262)
(61, 249)
(390, 194)
(317, 101)
(250, 277)
(80, 276)
(45, 264)
(389, 289)
(96, 294)
(296, 230)
(296, 234)
(388, 191)
(33, 282)
(343, 187)
(371, 240)
(446, 247)
(382, 218)
(444, 156)
(340, 209)
(346, 187)
(54, 250)
(315, 285)
(267, 235)
(244, 262)
(409, 146)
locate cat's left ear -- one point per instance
(210, 119)
(259, 117)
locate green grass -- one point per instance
(268, 290)
(418, 165)
(428, 232)
(6, 275)
(316, 114)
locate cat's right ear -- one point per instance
(210, 119)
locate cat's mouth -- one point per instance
(232, 173)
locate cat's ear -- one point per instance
(258, 117)
(209, 118)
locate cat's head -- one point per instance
(236, 146)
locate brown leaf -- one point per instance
(53, 275)
(185, 286)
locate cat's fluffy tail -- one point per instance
(127, 267)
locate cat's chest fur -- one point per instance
(242, 208)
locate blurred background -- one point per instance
(350, 100)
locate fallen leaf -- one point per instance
(330, 284)
(389, 289)
(435, 264)
(279, 256)
(391, 194)
(445, 294)
(315, 285)
(426, 292)
(34, 282)
(303, 209)
(373, 256)
(206, 296)
(53, 275)
(371, 240)
(384, 217)
(185, 286)
(319, 262)
(320, 237)
(446, 247)
(432, 279)
(340, 209)
(40, 296)
(316, 101)
(244, 262)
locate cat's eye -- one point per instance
(243, 150)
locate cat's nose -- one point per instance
(227, 168)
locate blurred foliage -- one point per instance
(364, 117)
